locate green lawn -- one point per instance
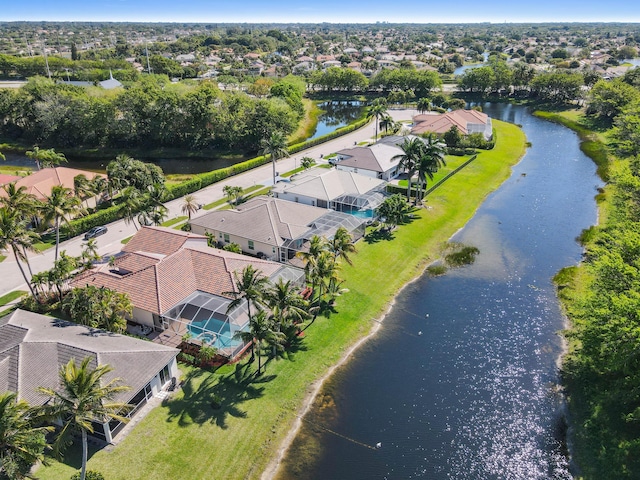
(186, 438)
(9, 297)
(452, 162)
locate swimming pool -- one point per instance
(214, 332)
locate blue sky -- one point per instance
(345, 11)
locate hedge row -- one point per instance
(329, 136)
(82, 224)
(111, 214)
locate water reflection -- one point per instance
(462, 380)
(337, 113)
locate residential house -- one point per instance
(338, 190)
(33, 347)
(273, 228)
(376, 161)
(466, 121)
(40, 182)
(178, 285)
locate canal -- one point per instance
(462, 380)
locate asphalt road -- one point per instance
(110, 243)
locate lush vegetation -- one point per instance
(151, 112)
(601, 298)
(238, 439)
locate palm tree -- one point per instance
(276, 147)
(233, 193)
(423, 105)
(45, 158)
(60, 205)
(377, 110)
(14, 234)
(82, 187)
(287, 305)
(190, 205)
(250, 287)
(131, 203)
(387, 123)
(412, 149)
(431, 160)
(261, 331)
(341, 245)
(22, 204)
(324, 273)
(22, 443)
(317, 245)
(84, 397)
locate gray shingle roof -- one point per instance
(34, 346)
(263, 219)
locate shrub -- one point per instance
(90, 475)
(184, 188)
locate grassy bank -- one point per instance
(600, 296)
(187, 438)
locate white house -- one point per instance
(376, 161)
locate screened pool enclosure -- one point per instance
(205, 318)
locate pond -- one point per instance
(337, 113)
(462, 381)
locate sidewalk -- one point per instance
(110, 243)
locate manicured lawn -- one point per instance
(174, 221)
(11, 296)
(452, 161)
(187, 438)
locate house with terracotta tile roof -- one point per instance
(4, 178)
(274, 228)
(33, 347)
(466, 121)
(178, 285)
(41, 182)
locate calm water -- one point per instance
(461, 381)
(337, 114)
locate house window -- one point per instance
(220, 235)
(273, 250)
(226, 238)
(250, 244)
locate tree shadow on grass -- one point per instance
(72, 456)
(215, 398)
(382, 234)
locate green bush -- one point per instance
(90, 475)
(184, 188)
(82, 224)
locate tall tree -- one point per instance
(189, 205)
(412, 149)
(23, 205)
(46, 158)
(59, 207)
(131, 202)
(261, 330)
(15, 235)
(430, 161)
(84, 396)
(423, 105)
(250, 287)
(341, 245)
(22, 441)
(377, 110)
(276, 147)
(286, 304)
